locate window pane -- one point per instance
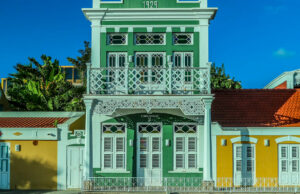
(179, 144)
(250, 152)
(249, 165)
(295, 152)
(295, 164)
(143, 160)
(192, 144)
(108, 144)
(239, 165)
(107, 160)
(120, 161)
(155, 161)
(143, 144)
(179, 161)
(239, 152)
(192, 161)
(283, 152)
(182, 38)
(115, 39)
(149, 38)
(120, 144)
(155, 144)
(284, 166)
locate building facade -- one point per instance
(148, 101)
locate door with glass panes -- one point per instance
(244, 164)
(151, 72)
(4, 165)
(289, 164)
(149, 154)
(116, 72)
(182, 73)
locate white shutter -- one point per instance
(143, 160)
(192, 144)
(120, 144)
(155, 144)
(179, 160)
(179, 144)
(108, 144)
(120, 161)
(155, 161)
(192, 161)
(107, 160)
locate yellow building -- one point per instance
(35, 148)
(256, 137)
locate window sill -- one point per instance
(185, 171)
(113, 171)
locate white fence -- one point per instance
(186, 184)
(143, 81)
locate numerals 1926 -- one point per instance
(150, 4)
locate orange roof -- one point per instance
(257, 108)
(30, 122)
(283, 85)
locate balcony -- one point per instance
(148, 81)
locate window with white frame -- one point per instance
(116, 39)
(182, 38)
(150, 38)
(114, 146)
(185, 147)
(183, 62)
(115, 63)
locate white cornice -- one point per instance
(138, 14)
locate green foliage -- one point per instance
(81, 61)
(42, 87)
(220, 80)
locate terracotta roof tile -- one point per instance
(257, 108)
(30, 122)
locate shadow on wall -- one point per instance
(34, 174)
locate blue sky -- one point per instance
(256, 39)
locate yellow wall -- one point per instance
(78, 124)
(34, 167)
(266, 157)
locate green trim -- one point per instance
(145, 23)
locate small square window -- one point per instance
(182, 38)
(116, 39)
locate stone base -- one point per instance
(88, 185)
(208, 185)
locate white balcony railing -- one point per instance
(186, 184)
(147, 81)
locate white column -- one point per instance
(96, 42)
(88, 154)
(203, 4)
(96, 4)
(203, 43)
(207, 164)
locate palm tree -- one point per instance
(42, 87)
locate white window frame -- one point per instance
(109, 1)
(115, 33)
(183, 33)
(244, 161)
(188, 1)
(186, 152)
(114, 153)
(147, 33)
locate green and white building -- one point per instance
(148, 102)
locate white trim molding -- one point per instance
(244, 138)
(287, 138)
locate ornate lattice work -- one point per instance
(155, 80)
(150, 38)
(193, 106)
(116, 39)
(183, 38)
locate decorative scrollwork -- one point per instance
(189, 106)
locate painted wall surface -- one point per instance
(78, 124)
(167, 151)
(141, 4)
(266, 157)
(34, 167)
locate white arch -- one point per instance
(287, 138)
(244, 138)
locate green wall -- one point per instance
(140, 4)
(167, 152)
